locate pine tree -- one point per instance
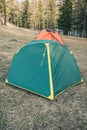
(5, 16)
(41, 17)
(1, 7)
(24, 19)
(33, 14)
(51, 14)
(11, 11)
(65, 17)
(79, 17)
(1, 12)
(85, 21)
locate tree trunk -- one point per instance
(4, 12)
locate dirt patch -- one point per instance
(22, 110)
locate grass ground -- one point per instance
(22, 110)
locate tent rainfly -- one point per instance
(49, 34)
(44, 67)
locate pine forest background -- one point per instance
(68, 17)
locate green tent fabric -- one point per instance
(44, 67)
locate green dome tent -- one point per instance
(44, 67)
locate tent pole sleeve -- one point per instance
(51, 97)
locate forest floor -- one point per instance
(22, 110)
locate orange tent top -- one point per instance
(49, 35)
